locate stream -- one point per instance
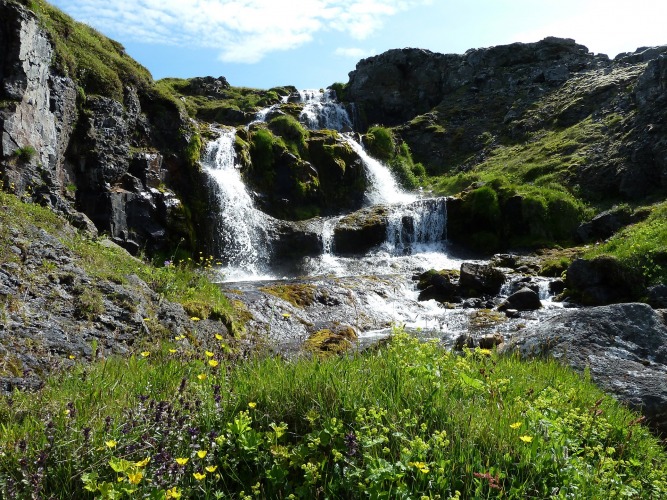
(371, 292)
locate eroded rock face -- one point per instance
(99, 165)
(623, 346)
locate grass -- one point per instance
(382, 424)
(185, 282)
(98, 64)
(641, 247)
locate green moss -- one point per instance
(298, 294)
(380, 142)
(340, 89)
(97, 63)
(326, 342)
(292, 132)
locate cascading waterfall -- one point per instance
(383, 188)
(418, 226)
(322, 111)
(240, 233)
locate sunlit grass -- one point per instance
(404, 420)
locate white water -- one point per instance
(240, 234)
(322, 111)
(415, 233)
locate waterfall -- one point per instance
(321, 110)
(240, 230)
(383, 188)
(418, 226)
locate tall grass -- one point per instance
(406, 420)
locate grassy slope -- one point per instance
(178, 283)
(387, 422)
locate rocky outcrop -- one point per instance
(400, 84)
(480, 279)
(623, 347)
(600, 281)
(91, 157)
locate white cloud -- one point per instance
(353, 52)
(242, 30)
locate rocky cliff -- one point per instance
(106, 157)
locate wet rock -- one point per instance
(464, 341)
(556, 286)
(441, 286)
(491, 341)
(523, 300)
(480, 279)
(623, 346)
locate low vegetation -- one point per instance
(384, 423)
(98, 64)
(641, 248)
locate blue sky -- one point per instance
(313, 43)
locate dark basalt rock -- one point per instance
(600, 281)
(480, 279)
(623, 346)
(525, 299)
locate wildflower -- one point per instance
(147, 319)
(198, 476)
(213, 362)
(209, 354)
(202, 453)
(173, 493)
(111, 443)
(145, 354)
(515, 425)
(143, 463)
(201, 376)
(218, 336)
(287, 315)
(486, 352)
(179, 337)
(252, 405)
(182, 461)
(211, 468)
(167, 263)
(173, 351)
(421, 466)
(526, 439)
(135, 478)
(195, 318)
(72, 356)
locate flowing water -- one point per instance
(375, 287)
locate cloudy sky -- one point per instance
(313, 43)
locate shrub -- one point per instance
(25, 153)
(380, 142)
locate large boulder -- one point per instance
(600, 281)
(624, 347)
(480, 279)
(442, 286)
(524, 299)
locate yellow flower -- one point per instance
(252, 405)
(218, 336)
(145, 354)
(201, 376)
(212, 468)
(111, 443)
(173, 351)
(195, 318)
(209, 354)
(526, 439)
(135, 478)
(182, 461)
(515, 425)
(173, 493)
(179, 337)
(147, 319)
(143, 463)
(202, 453)
(198, 476)
(72, 356)
(287, 315)
(213, 362)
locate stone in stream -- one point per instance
(525, 299)
(480, 279)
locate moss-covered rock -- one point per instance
(331, 341)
